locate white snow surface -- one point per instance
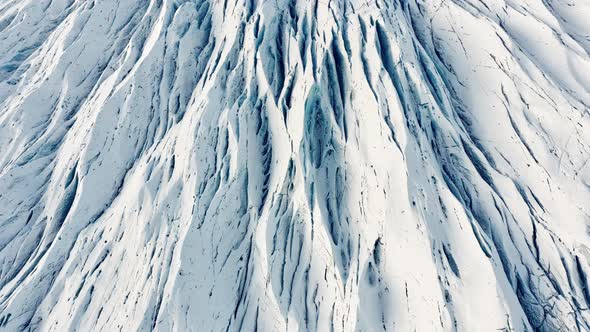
(294, 165)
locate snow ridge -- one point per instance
(294, 165)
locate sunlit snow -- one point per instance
(294, 165)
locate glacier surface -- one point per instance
(300, 165)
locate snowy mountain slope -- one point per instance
(294, 165)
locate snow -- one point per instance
(294, 165)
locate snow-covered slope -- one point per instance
(226, 165)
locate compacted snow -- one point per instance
(329, 165)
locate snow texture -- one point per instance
(294, 165)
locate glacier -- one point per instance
(294, 165)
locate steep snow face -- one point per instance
(294, 165)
